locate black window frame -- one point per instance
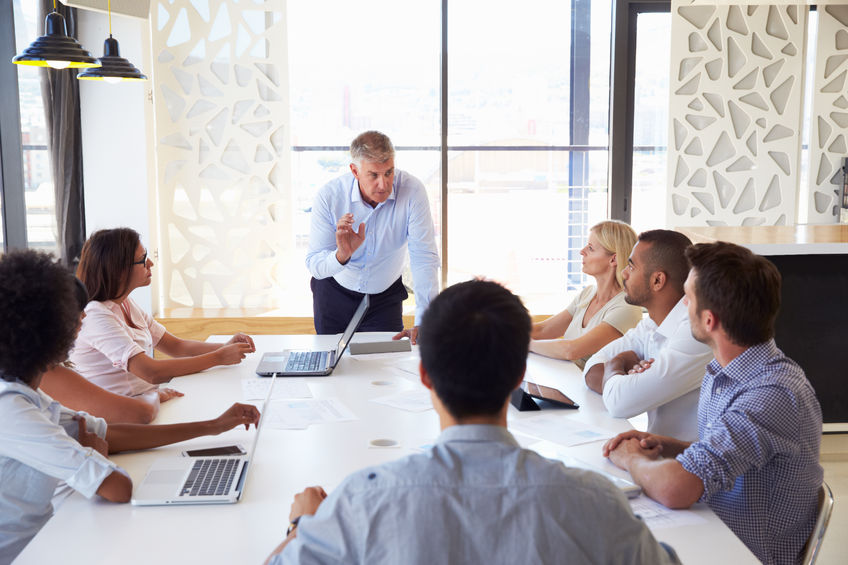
(622, 93)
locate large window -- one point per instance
(37, 178)
(527, 174)
(374, 68)
(526, 113)
(650, 123)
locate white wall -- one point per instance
(114, 135)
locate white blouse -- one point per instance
(38, 450)
(616, 312)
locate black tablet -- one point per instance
(547, 393)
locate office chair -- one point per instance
(825, 509)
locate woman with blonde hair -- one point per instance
(599, 314)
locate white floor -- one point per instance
(835, 547)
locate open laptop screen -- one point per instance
(352, 327)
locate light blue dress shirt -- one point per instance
(475, 497)
(38, 450)
(760, 427)
(402, 221)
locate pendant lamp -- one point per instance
(56, 48)
(113, 68)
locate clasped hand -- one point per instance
(622, 447)
(232, 352)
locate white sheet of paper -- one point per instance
(257, 389)
(415, 400)
(656, 516)
(300, 414)
(554, 427)
(407, 368)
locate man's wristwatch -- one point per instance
(292, 525)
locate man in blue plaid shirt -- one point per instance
(759, 422)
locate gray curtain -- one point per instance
(60, 91)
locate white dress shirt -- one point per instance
(38, 450)
(106, 343)
(668, 390)
(402, 221)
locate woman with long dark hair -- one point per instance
(74, 391)
(43, 443)
(115, 346)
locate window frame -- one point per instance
(622, 95)
(11, 147)
(578, 147)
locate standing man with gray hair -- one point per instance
(362, 224)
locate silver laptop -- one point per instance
(198, 480)
(293, 363)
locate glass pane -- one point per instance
(359, 70)
(528, 128)
(374, 68)
(650, 122)
(535, 253)
(38, 181)
(509, 92)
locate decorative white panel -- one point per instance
(736, 95)
(222, 153)
(829, 121)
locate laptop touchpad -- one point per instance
(166, 477)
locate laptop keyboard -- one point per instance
(305, 361)
(210, 477)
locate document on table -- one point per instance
(257, 388)
(405, 365)
(408, 368)
(300, 414)
(558, 429)
(656, 516)
(415, 400)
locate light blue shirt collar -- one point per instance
(476, 433)
(356, 195)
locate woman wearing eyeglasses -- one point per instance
(63, 384)
(115, 346)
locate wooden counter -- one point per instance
(805, 239)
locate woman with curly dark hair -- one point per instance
(42, 443)
(115, 346)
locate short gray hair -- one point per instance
(371, 146)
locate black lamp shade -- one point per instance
(55, 48)
(113, 67)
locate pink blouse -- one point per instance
(106, 344)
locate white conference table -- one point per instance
(286, 461)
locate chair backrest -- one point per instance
(825, 509)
